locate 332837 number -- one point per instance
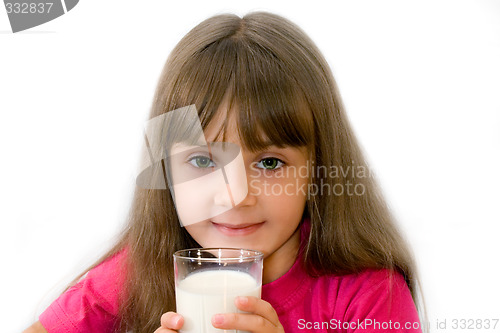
(474, 323)
(28, 8)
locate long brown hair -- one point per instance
(284, 89)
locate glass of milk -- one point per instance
(208, 280)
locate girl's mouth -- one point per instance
(237, 229)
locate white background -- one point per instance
(420, 81)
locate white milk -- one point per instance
(201, 295)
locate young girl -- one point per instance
(334, 260)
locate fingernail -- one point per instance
(243, 300)
(218, 319)
(177, 319)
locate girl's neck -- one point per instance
(280, 261)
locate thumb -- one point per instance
(172, 320)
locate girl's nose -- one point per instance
(249, 200)
(237, 191)
(224, 198)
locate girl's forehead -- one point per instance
(222, 126)
(256, 125)
(225, 127)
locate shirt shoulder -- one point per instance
(379, 296)
(357, 302)
(92, 304)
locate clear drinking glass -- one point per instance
(208, 280)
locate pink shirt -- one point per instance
(361, 302)
(91, 305)
(371, 301)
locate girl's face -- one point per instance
(267, 217)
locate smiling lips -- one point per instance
(237, 229)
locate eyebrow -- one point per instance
(270, 145)
(264, 145)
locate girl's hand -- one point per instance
(262, 317)
(170, 322)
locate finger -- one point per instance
(172, 320)
(164, 330)
(257, 306)
(243, 321)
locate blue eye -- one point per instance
(270, 163)
(201, 162)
